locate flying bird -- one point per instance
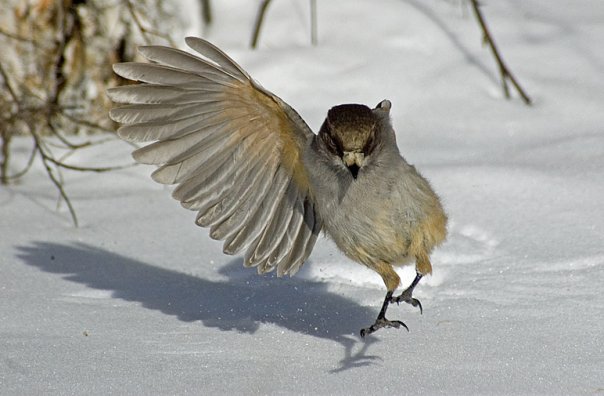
(264, 183)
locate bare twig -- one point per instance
(74, 147)
(313, 22)
(28, 165)
(61, 164)
(85, 123)
(93, 126)
(8, 85)
(144, 30)
(68, 21)
(137, 21)
(46, 159)
(62, 138)
(5, 134)
(504, 71)
(54, 51)
(206, 12)
(17, 37)
(59, 185)
(5, 138)
(262, 13)
(258, 23)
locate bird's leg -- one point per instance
(407, 294)
(381, 320)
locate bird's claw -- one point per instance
(382, 322)
(406, 297)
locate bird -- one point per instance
(264, 183)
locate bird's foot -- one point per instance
(382, 322)
(407, 297)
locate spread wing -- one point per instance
(233, 149)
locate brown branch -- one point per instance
(259, 19)
(5, 134)
(137, 21)
(262, 9)
(17, 37)
(58, 184)
(8, 85)
(75, 147)
(92, 125)
(144, 30)
(313, 22)
(504, 71)
(61, 164)
(206, 12)
(5, 139)
(85, 123)
(32, 101)
(62, 138)
(28, 165)
(70, 25)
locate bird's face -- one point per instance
(350, 133)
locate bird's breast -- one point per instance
(382, 215)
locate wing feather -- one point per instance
(240, 236)
(307, 237)
(229, 66)
(153, 94)
(232, 148)
(153, 73)
(256, 252)
(282, 251)
(227, 213)
(178, 59)
(278, 224)
(249, 234)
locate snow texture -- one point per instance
(139, 300)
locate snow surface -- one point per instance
(139, 300)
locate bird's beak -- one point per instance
(354, 161)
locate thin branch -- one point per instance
(48, 160)
(87, 169)
(503, 69)
(59, 78)
(5, 135)
(146, 31)
(5, 139)
(62, 192)
(259, 19)
(85, 123)
(75, 147)
(32, 100)
(92, 125)
(8, 85)
(62, 138)
(313, 22)
(58, 184)
(206, 12)
(17, 37)
(137, 21)
(30, 162)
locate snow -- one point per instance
(138, 300)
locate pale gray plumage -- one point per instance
(264, 183)
(223, 140)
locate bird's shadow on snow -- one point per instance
(242, 302)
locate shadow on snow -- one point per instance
(240, 303)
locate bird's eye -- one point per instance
(333, 145)
(370, 145)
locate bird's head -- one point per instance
(349, 132)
